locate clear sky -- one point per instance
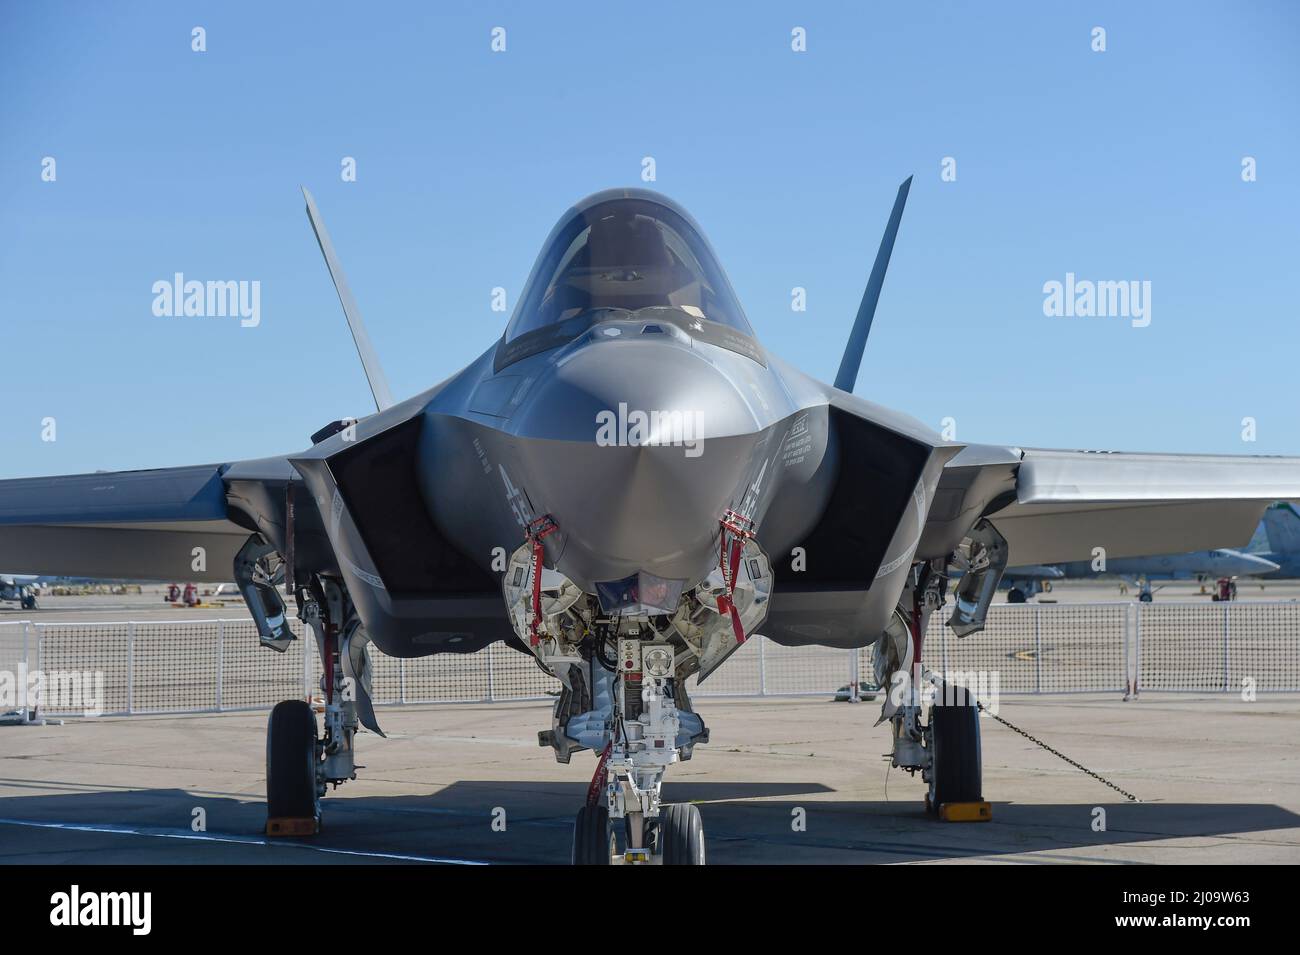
(1116, 165)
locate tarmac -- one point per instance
(1218, 779)
(783, 780)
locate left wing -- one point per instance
(1054, 506)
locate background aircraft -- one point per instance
(19, 588)
(1278, 540)
(1200, 565)
(627, 486)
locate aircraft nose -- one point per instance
(1246, 565)
(627, 387)
(636, 449)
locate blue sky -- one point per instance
(1119, 165)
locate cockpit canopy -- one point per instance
(624, 249)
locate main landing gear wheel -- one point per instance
(1015, 596)
(292, 799)
(956, 774)
(681, 835)
(29, 602)
(593, 838)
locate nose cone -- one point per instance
(636, 448)
(1248, 565)
(623, 371)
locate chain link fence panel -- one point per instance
(217, 665)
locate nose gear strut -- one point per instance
(622, 664)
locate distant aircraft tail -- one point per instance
(1282, 525)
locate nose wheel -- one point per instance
(676, 836)
(681, 835)
(593, 838)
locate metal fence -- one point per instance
(216, 665)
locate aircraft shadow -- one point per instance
(513, 821)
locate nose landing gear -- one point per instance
(593, 837)
(681, 835)
(674, 837)
(646, 734)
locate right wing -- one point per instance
(162, 524)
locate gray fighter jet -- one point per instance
(1200, 565)
(1277, 539)
(627, 486)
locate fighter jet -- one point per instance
(1278, 540)
(627, 486)
(1201, 565)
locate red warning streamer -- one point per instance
(736, 529)
(538, 528)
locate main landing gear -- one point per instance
(955, 773)
(943, 745)
(293, 757)
(300, 764)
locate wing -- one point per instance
(189, 523)
(138, 525)
(1056, 506)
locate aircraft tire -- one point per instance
(1015, 596)
(957, 773)
(593, 839)
(291, 762)
(29, 603)
(681, 834)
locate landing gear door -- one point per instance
(982, 557)
(258, 573)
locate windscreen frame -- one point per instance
(558, 248)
